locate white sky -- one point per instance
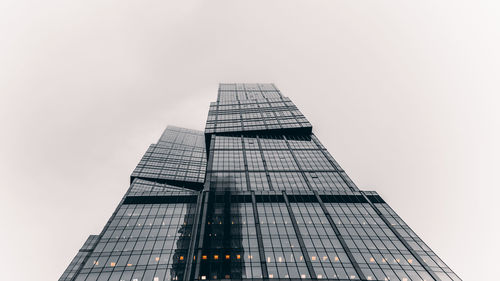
(405, 95)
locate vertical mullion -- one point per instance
(305, 253)
(401, 239)
(264, 163)
(298, 164)
(192, 242)
(245, 160)
(201, 237)
(341, 239)
(260, 243)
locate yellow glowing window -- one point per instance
(112, 263)
(204, 257)
(271, 276)
(238, 257)
(216, 257)
(302, 276)
(227, 257)
(336, 259)
(372, 260)
(96, 262)
(325, 258)
(410, 260)
(313, 258)
(181, 258)
(250, 257)
(203, 277)
(157, 258)
(129, 264)
(320, 276)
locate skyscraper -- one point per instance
(256, 196)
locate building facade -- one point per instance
(254, 197)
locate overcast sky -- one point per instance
(404, 94)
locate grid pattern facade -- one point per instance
(143, 242)
(255, 197)
(276, 162)
(79, 259)
(179, 156)
(253, 107)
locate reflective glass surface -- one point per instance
(254, 197)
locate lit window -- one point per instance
(156, 279)
(203, 277)
(227, 257)
(112, 263)
(216, 257)
(238, 257)
(204, 257)
(129, 264)
(157, 258)
(313, 258)
(181, 258)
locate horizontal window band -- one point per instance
(130, 200)
(275, 171)
(185, 184)
(301, 131)
(268, 149)
(246, 198)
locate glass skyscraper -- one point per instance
(254, 197)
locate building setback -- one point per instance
(254, 197)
